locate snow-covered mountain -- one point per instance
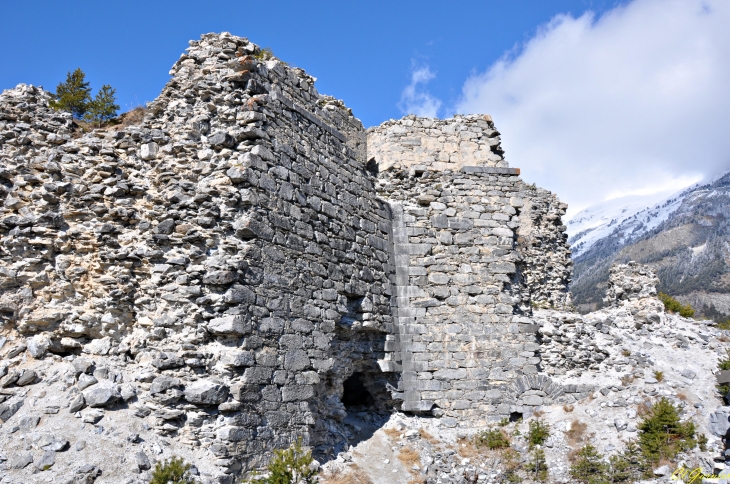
(685, 236)
(598, 221)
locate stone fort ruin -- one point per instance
(249, 260)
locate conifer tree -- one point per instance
(73, 95)
(104, 106)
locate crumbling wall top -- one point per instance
(420, 144)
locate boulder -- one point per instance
(102, 394)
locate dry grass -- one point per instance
(682, 396)
(627, 379)
(467, 449)
(349, 475)
(642, 410)
(567, 408)
(577, 433)
(427, 437)
(409, 457)
(538, 413)
(392, 433)
(132, 117)
(573, 455)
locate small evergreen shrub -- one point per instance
(629, 466)
(538, 433)
(491, 439)
(659, 375)
(662, 435)
(289, 466)
(173, 471)
(674, 306)
(73, 95)
(589, 467)
(511, 462)
(537, 466)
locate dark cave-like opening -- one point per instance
(354, 392)
(515, 416)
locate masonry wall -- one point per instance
(462, 340)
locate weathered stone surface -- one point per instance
(206, 392)
(233, 325)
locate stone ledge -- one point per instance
(490, 169)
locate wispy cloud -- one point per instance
(415, 98)
(634, 101)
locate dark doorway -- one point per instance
(354, 392)
(515, 417)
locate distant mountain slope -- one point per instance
(685, 237)
(600, 220)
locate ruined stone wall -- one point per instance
(227, 260)
(416, 144)
(545, 265)
(216, 274)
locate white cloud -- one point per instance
(633, 102)
(415, 99)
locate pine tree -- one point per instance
(73, 95)
(103, 107)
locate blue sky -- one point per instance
(361, 52)
(595, 99)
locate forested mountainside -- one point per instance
(686, 238)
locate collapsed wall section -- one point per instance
(545, 264)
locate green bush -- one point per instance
(537, 466)
(674, 306)
(538, 433)
(173, 471)
(103, 108)
(662, 435)
(289, 466)
(492, 439)
(589, 467)
(74, 96)
(629, 466)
